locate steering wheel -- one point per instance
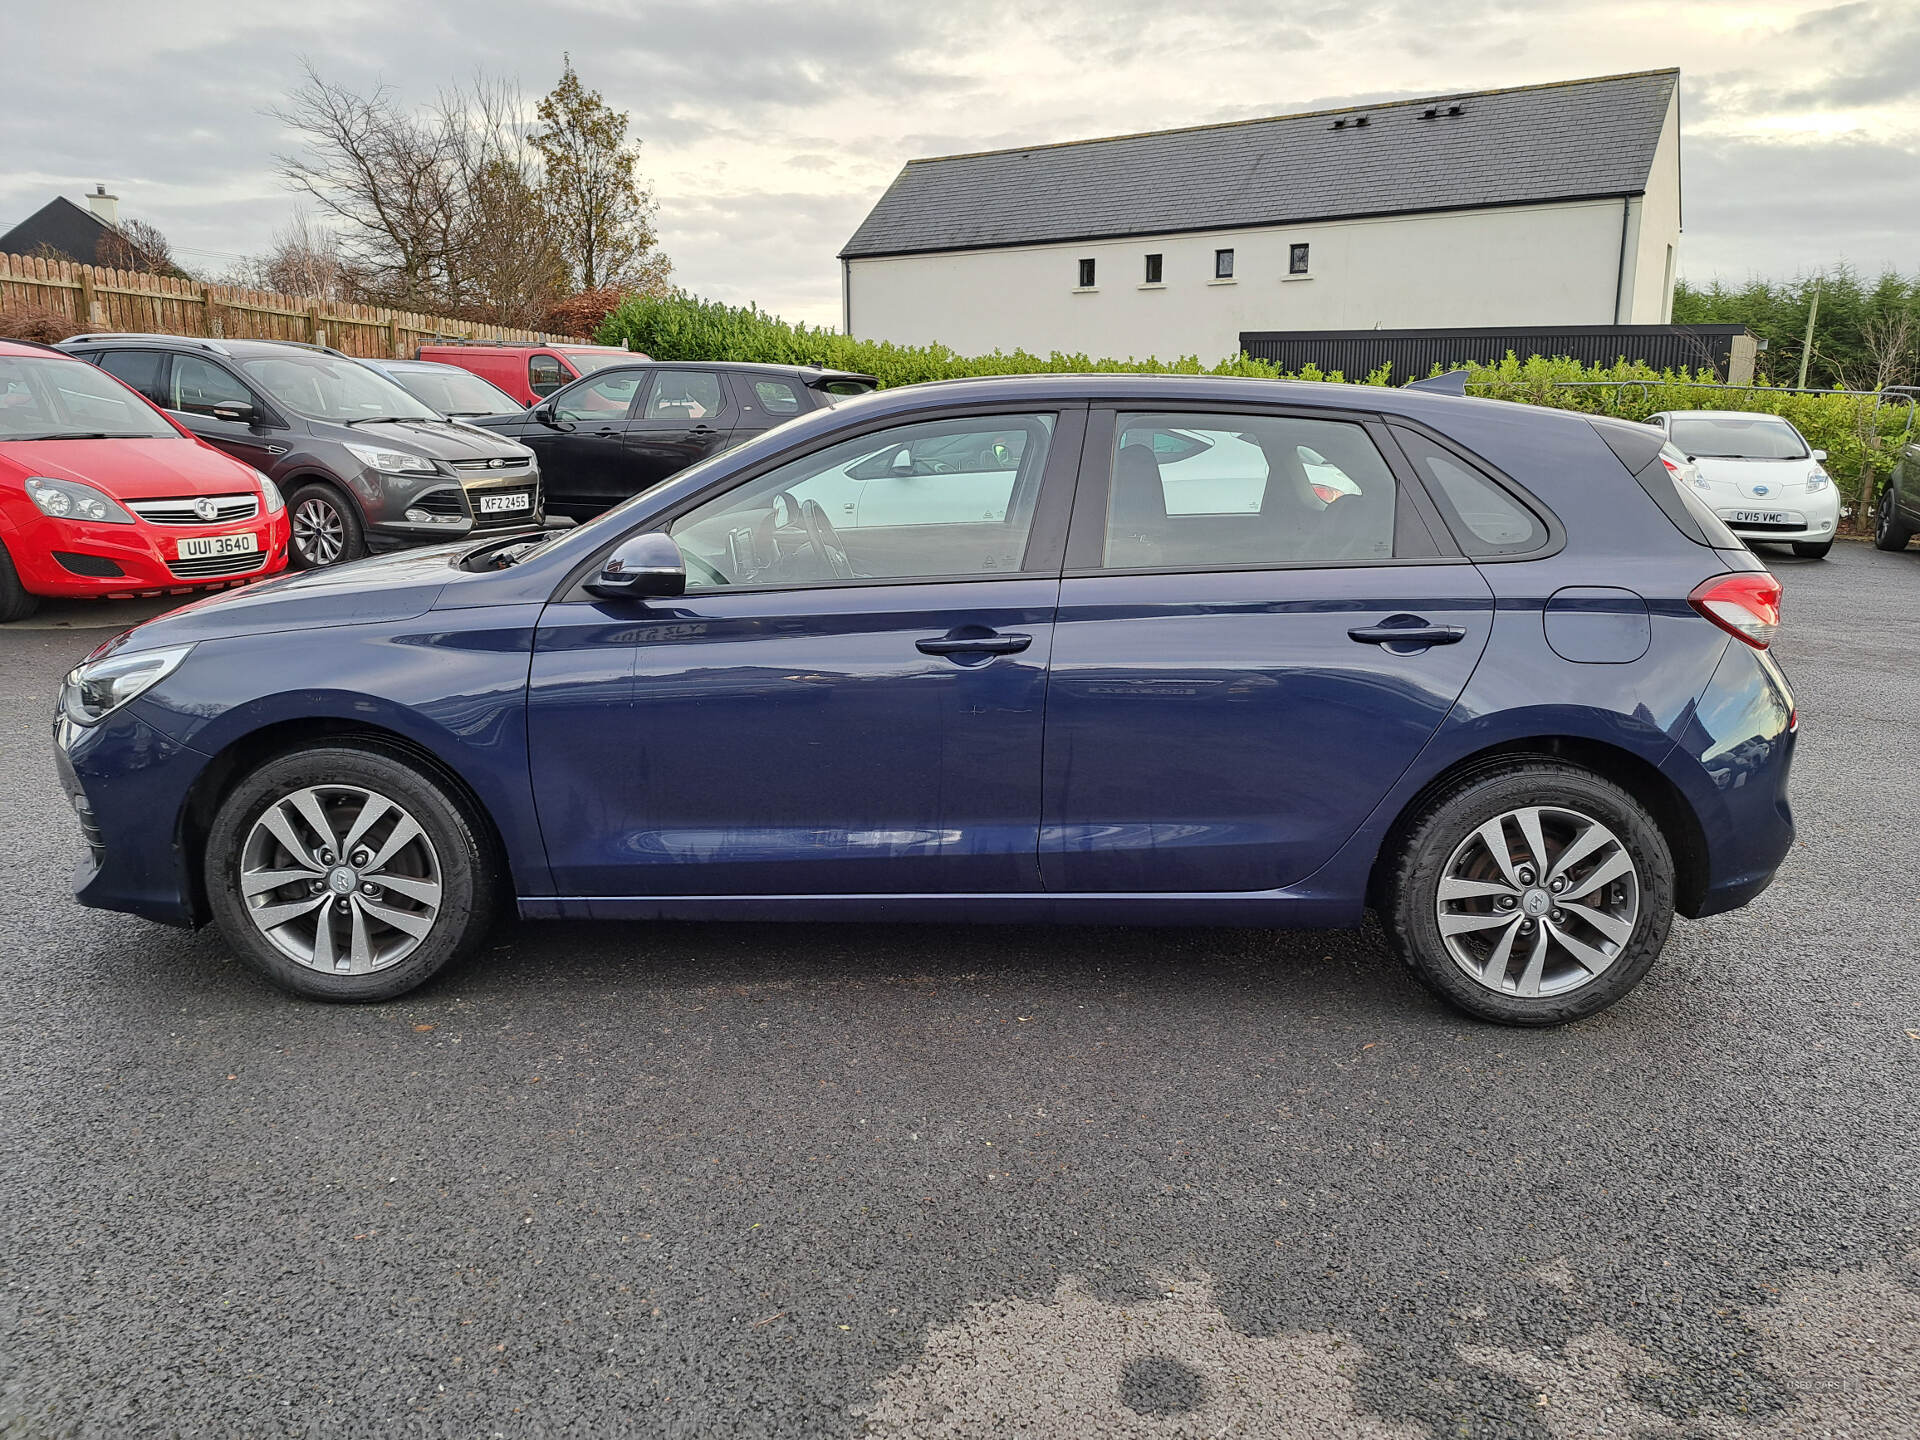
(825, 540)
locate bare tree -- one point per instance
(136, 245)
(438, 207)
(305, 260)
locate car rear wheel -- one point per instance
(1533, 893)
(347, 874)
(1888, 532)
(15, 602)
(1812, 549)
(326, 531)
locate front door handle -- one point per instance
(973, 644)
(1411, 630)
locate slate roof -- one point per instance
(1578, 138)
(72, 230)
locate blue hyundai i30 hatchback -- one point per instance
(1116, 649)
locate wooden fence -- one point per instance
(98, 298)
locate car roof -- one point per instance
(141, 339)
(29, 348)
(1721, 414)
(749, 367)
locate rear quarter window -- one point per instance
(1486, 519)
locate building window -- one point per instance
(1296, 260)
(1153, 270)
(1086, 274)
(1223, 264)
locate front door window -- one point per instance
(937, 499)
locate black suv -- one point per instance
(625, 428)
(363, 464)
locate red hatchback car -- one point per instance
(101, 494)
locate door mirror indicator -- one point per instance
(644, 565)
(239, 412)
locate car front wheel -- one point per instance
(1533, 893)
(326, 531)
(15, 602)
(344, 873)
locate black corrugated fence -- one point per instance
(1414, 353)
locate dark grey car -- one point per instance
(626, 428)
(363, 464)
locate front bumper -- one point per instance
(1802, 517)
(452, 509)
(71, 558)
(128, 783)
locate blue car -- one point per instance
(1116, 649)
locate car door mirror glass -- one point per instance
(641, 566)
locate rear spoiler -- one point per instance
(828, 378)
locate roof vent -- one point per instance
(1339, 124)
(1361, 121)
(1453, 109)
(1429, 114)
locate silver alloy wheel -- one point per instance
(1538, 901)
(340, 879)
(319, 531)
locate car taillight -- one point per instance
(1326, 493)
(1672, 469)
(1745, 605)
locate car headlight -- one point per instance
(1818, 480)
(392, 462)
(94, 689)
(275, 501)
(71, 500)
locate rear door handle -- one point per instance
(1415, 633)
(973, 644)
(703, 430)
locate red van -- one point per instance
(529, 373)
(102, 494)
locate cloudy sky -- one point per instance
(771, 126)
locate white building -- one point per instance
(1543, 205)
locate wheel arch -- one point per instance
(1637, 776)
(248, 752)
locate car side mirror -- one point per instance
(644, 565)
(902, 463)
(1819, 454)
(240, 412)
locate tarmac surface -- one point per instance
(831, 1180)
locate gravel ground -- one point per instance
(708, 1180)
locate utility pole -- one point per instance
(1806, 345)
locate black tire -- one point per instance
(1888, 532)
(1448, 822)
(317, 498)
(15, 602)
(466, 868)
(1812, 549)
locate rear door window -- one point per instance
(778, 398)
(1196, 492)
(686, 395)
(142, 369)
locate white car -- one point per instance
(1759, 475)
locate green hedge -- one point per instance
(1860, 440)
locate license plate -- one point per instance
(205, 547)
(505, 504)
(1759, 517)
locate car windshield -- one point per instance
(326, 387)
(453, 391)
(1739, 437)
(586, 362)
(53, 399)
